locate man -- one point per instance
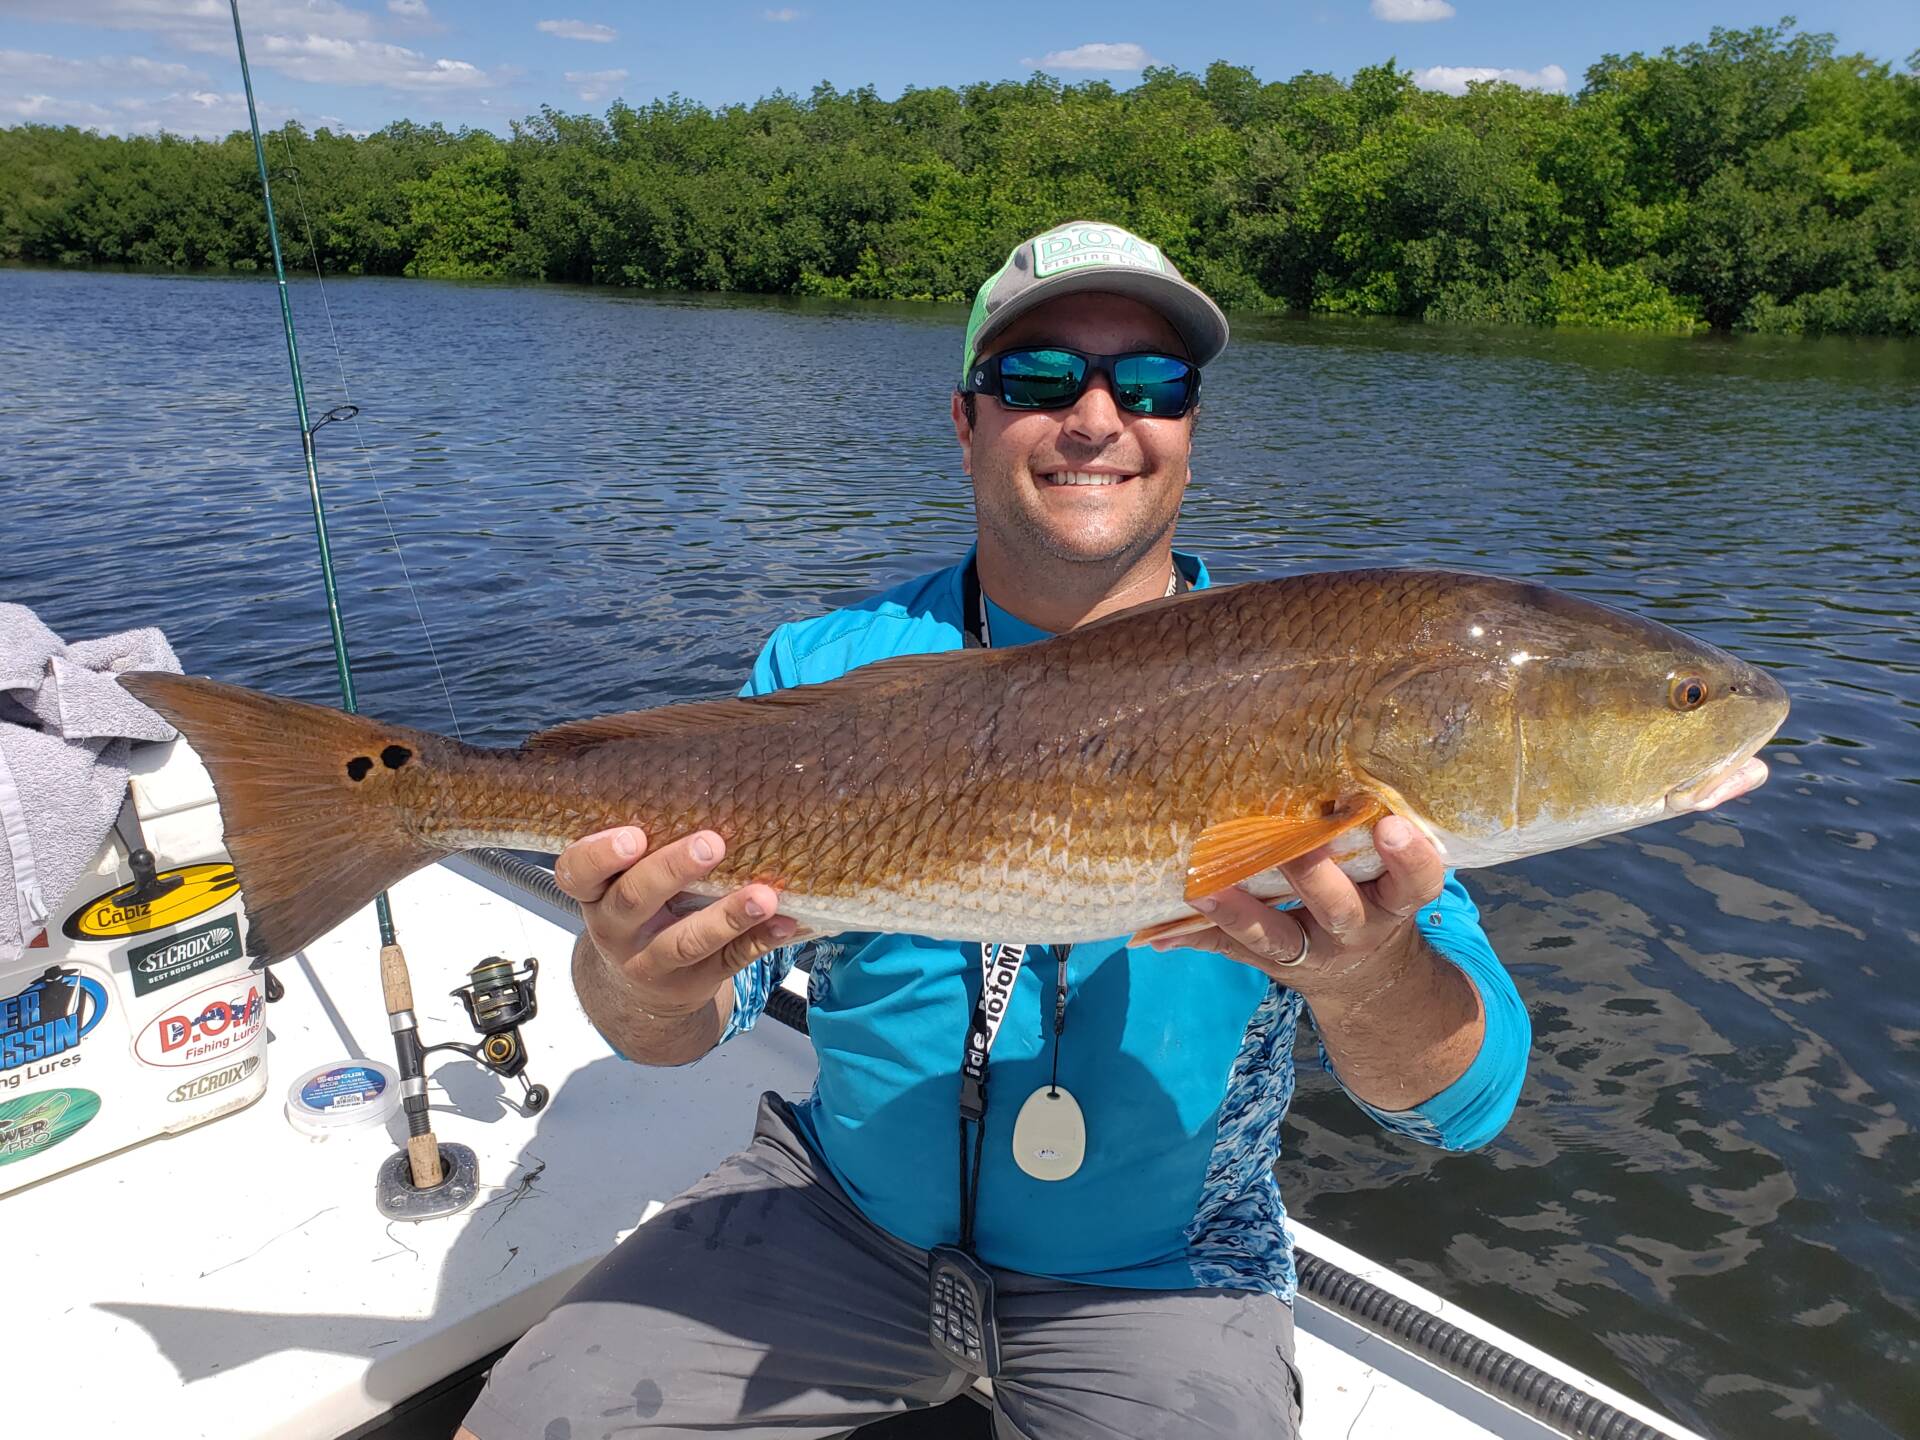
(1147, 1291)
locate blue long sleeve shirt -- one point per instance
(1182, 1062)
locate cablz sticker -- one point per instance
(50, 1017)
(111, 916)
(203, 1085)
(42, 1120)
(178, 957)
(206, 1025)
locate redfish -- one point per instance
(1080, 788)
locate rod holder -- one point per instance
(397, 1197)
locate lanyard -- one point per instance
(999, 969)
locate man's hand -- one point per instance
(670, 967)
(1351, 929)
(1348, 925)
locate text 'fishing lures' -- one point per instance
(499, 1000)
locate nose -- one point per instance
(1094, 418)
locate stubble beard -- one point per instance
(1021, 532)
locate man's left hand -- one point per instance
(1348, 926)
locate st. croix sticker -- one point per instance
(113, 916)
(179, 957)
(40, 1121)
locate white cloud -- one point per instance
(325, 61)
(1097, 56)
(99, 72)
(1402, 12)
(208, 114)
(1454, 79)
(578, 30)
(409, 9)
(783, 16)
(593, 85)
(202, 26)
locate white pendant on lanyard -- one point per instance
(1050, 1134)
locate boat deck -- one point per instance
(236, 1280)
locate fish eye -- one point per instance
(1687, 692)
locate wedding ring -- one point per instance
(1306, 944)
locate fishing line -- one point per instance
(359, 436)
(366, 458)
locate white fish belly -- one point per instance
(1048, 907)
(1045, 899)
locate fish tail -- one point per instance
(312, 800)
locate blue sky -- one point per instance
(130, 66)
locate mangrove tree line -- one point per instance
(1757, 180)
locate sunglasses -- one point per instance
(1143, 383)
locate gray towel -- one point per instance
(65, 732)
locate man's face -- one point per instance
(1020, 460)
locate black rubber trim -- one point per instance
(517, 870)
(1547, 1398)
(1552, 1401)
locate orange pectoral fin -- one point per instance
(1168, 929)
(1227, 853)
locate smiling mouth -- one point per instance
(1082, 477)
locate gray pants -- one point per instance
(762, 1303)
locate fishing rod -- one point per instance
(427, 1188)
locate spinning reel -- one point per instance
(499, 1000)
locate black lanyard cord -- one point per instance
(1059, 1011)
(999, 972)
(970, 1182)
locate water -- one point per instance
(1707, 1196)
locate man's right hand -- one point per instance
(672, 966)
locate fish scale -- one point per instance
(1084, 787)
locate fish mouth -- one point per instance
(1722, 782)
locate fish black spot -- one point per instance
(394, 756)
(358, 767)
(559, 1428)
(646, 1399)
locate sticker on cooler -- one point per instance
(160, 963)
(202, 1086)
(32, 1123)
(43, 1024)
(199, 889)
(205, 1025)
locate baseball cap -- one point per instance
(1092, 255)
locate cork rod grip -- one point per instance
(423, 1155)
(394, 984)
(423, 1150)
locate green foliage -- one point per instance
(1757, 180)
(460, 217)
(1623, 298)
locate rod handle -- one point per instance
(394, 982)
(423, 1156)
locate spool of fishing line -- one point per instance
(345, 1097)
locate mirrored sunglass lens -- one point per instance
(1152, 384)
(1037, 379)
